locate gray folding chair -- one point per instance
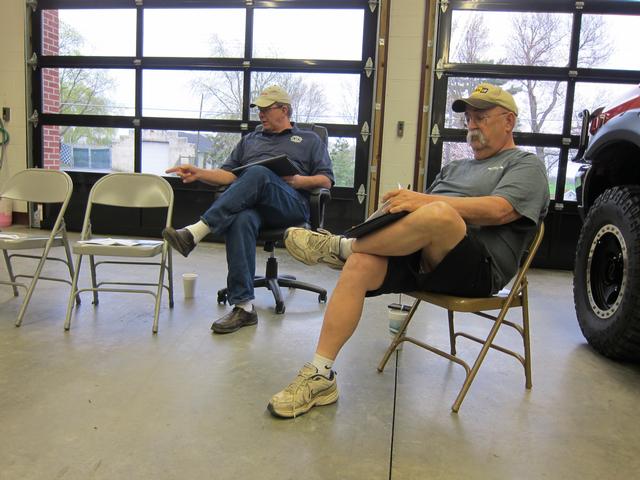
(517, 297)
(36, 186)
(132, 190)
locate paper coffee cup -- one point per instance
(396, 319)
(189, 284)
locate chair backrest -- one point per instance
(130, 190)
(528, 255)
(135, 190)
(39, 186)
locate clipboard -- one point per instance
(280, 165)
(373, 223)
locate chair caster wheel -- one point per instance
(322, 298)
(222, 297)
(280, 308)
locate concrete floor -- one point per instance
(109, 400)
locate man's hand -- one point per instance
(402, 200)
(294, 181)
(188, 173)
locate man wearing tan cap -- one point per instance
(464, 236)
(255, 199)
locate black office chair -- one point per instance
(271, 279)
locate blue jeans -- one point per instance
(257, 199)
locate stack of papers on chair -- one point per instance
(123, 242)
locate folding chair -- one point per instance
(517, 296)
(37, 186)
(132, 190)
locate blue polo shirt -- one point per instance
(303, 147)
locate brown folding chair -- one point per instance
(517, 297)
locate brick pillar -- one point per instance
(50, 90)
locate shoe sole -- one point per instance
(319, 402)
(217, 329)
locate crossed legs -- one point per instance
(434, 229)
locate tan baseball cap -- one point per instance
(486, 96)
(271, 95)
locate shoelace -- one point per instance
(326, 240)
(297, 383)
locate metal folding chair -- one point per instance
(130, 190)
(517, 297)
(44, 187)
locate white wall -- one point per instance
(12, 84)
(402, 101)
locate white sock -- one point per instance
(198, 230)
(345, 247)
(322, 364)
(246, 306)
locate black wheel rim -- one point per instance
(607, 271)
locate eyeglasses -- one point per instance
(266, 109)
(480, 119)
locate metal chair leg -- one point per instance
(73, 294)
(12, 277)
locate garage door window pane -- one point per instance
(316, 97)
(162, 149)
(88, 91)
(88, 148)
(591, 96)
(609, 41)
(192, 94)
(194, 32)
(107, 32)
(544, 115)
(510, 38)
(310, 34)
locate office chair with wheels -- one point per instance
(272, 279)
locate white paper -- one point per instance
(10, 236)
(123, 242)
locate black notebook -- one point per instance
(280, 165)
(373, 223)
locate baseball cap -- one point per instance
(271, 95)
(485, 96)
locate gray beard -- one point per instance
(476, 135)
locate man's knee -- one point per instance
(365, 270)
(255, 174)
(439, 217)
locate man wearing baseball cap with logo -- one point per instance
(256, 198)
(464, 236)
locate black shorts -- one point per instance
(465, 272)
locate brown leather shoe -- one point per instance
(180, 240)
(235, 320)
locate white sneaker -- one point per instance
(312, 248)
(309, 389)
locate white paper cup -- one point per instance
(396, 319)
(189, 284)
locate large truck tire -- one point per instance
(606, 280)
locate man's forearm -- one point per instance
(314, 181)
(490, 210)
(216, 176)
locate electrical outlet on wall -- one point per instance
(6, 114)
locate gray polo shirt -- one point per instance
(515, 175)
